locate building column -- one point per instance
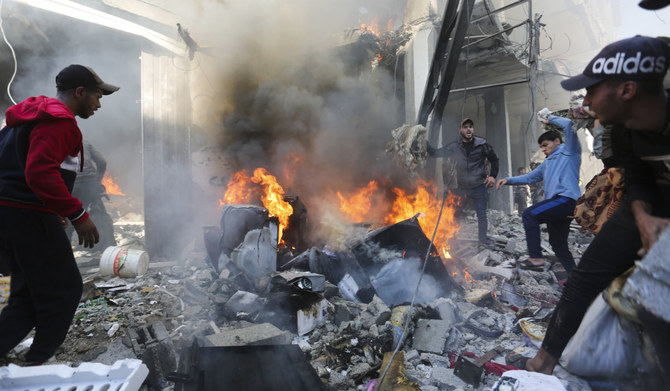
(497, 134)
(166, 156)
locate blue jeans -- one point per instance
(554, 212)
(479, 195)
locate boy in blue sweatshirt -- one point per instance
(560, 173)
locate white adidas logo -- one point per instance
(620, 64)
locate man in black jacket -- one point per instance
(469, 154)
(624, 87)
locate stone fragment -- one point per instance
(257, 334)
(242, 301)
(431, 335)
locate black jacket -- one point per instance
(470, 166)
(645, 157)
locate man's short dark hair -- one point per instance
(550, 135)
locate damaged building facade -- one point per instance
(282, 236)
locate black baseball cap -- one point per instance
(654, 4)
(636, 58)
(467, 120)
(75, 75)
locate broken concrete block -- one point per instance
(377, 306)
(314, 316)
(444, 379)
(257, 334)
(359, 370)
(431, 335)
(447, 309)
(503, 272)
(412, 356)
(435, 359)
(243, 301)
(342, 313)
(510, 247)
(494, 258)
(479, 258)
(152, 344)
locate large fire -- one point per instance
(111, 187)
(357, 208)
(243, 189)
(424, 202)
(370, 203)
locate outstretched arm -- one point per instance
(501, 183)
(571, 139)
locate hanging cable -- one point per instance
(465, 83)
(418, 284)
(11, 80)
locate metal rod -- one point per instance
(534, 52)
(483, 86)
(495, 11)
(498, 33)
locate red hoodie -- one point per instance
(55, 143)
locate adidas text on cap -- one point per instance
(636, 58)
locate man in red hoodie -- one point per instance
(40, 151)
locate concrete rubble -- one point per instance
(459, 341)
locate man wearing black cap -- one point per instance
(470, 153)
(40, 151)
(624, 87)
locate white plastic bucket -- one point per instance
(123, 262)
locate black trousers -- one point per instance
(611, 253)
(45, 282)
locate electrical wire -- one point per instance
(11, 80)
(467, 61)
(418, 284)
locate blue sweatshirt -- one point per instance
(560, 170)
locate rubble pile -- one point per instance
(481, 317)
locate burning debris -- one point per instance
(327, 318)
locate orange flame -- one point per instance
(273, 198)
(406, 206)
(467, 276)
(111, 187)
(357, 207)
(239, 190)
(290, 168)
(243, 189)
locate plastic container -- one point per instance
(123, 262)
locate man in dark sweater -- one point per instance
(470, 154)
